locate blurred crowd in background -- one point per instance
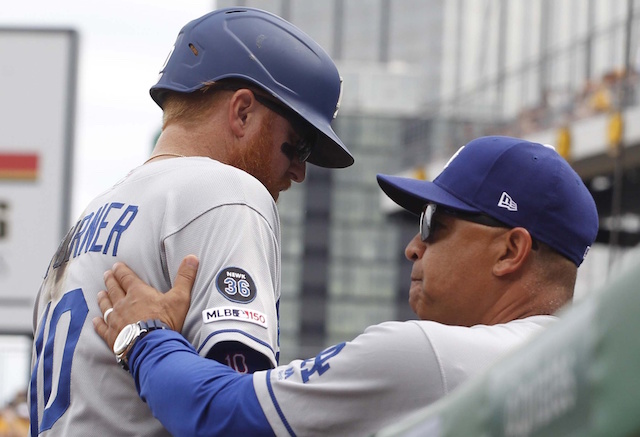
(14, 417)
(613, 90)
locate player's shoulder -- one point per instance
(499, 336)
(211, 182)
(203, 171)
(392, 332)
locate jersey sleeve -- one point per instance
(352, 388)
(381, 376)
(239, 357)
(193, 396)
(237, 290)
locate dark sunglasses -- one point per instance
(427, 225)
(302, 149)
(308, 136)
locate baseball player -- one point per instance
(244, 110)
(503, 230)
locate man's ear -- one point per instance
(241, 106)
(515, 251)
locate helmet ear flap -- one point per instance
(262, 49)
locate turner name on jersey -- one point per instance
(99, 231)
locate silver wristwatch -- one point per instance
(129, 335)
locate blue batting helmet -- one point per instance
(263, 49)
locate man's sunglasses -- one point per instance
(307, 133)
(308, 136)
(427, 225)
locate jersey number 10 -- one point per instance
(74, 303)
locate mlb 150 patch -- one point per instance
(236, 285)
(237, 314)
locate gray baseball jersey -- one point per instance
(390, 371)
(151, 219)
(355, 388)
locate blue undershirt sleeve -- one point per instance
(192, 395)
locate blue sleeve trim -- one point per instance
(277, 405)
(257, 340)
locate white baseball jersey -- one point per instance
(390, 371)
(159, 213)
(351, 389)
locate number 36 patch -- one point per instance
(236, 285)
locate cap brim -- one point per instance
(329, 152)
(413, 194)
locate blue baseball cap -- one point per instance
(518, 182)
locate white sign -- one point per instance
(37, 101)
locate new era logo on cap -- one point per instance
(507, 202)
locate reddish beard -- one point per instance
(257, 156)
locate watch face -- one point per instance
(127, 334)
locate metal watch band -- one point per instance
(145, 326)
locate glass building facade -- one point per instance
(339, 249)
(341, 252)
(423, 77)
(529, 65)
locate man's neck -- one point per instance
(176, 139)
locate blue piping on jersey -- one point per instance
(277, 406)
(257, 340)
(35, 430)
